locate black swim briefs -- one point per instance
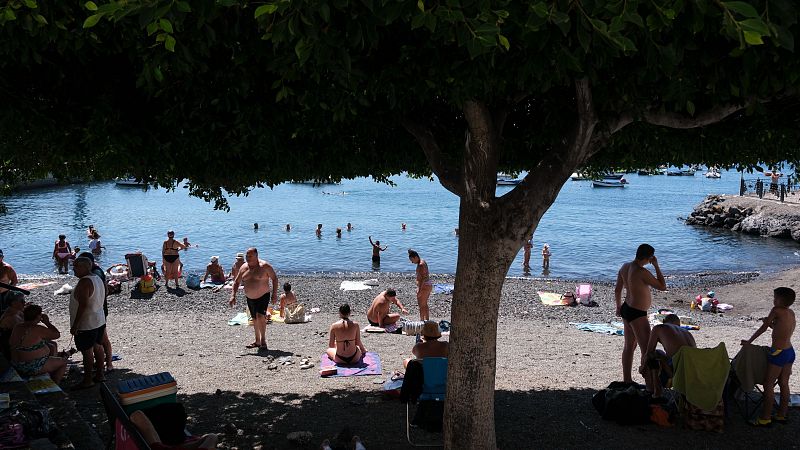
(258, 306)
(376, 258)
(86, 339)
(374, 324)
(631, 314)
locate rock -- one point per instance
(272, 366)
(299, 437)
(734, 211)
(730, 222)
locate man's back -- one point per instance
(783, 327)
(672, 337)
(638, 293)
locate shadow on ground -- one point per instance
(524, 419)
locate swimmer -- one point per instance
(319, 230)
(403, 226)
(349, 226)
(255, 226)
(338, 233)
(186, 242)
(288, 227)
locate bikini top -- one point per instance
(346, 341)
(165, 248)
(32, 348)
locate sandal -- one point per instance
(253, 345)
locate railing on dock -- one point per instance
(785, 189)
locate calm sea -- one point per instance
(590, 230)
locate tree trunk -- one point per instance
(483, 262)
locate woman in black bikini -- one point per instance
(344, 344)
(171, 259)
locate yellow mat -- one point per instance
(552, 299)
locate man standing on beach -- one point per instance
(256, 276)
(637, 281)
(87, 321)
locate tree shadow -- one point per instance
(524, 419)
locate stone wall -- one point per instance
(748, 215)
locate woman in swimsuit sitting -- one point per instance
(30, 352)
(61, 253)
(424, 284)
(171, 259)
(344, 344)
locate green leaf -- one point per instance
(165, 25)
(169, 43)
(559, 17)
(265, 9)
(752, 38)
(92, 20)
(31, 4)
(504, 41)
(10, 14)
(742, 8)
(325, 12)
(540, 9)
(90, 5)
(634, 19)
(690, 107)
(755, 25)
(152, 27)
(785, 38)
(183, 6)
(157, 72)
(421, 5)
(303, 50)
(40, 18)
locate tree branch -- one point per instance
(481, 151)
(677, 120)
(449, 178)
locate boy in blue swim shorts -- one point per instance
(781, 355)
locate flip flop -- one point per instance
(253, 345)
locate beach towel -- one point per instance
(238, 319)
(443, 288)
(42, 384)
(700, 374)
(35, 284)
(354, 286)
(603, 328)
(63, 290)
(552, 299)
(370, 364)
(391, 329)
(371, 282)
(687, 323)
(210, 285)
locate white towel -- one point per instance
(354, 286)
(63, 290)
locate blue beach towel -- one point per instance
(603, 328)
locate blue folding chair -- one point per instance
(434, 387)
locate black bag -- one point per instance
(624, 403)
(35, 420)
(429, 415)
(169, 420)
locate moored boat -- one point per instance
(609, 182)
(129, 181)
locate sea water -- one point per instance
(591, 231)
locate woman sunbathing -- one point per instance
(30, 352)
(344, 344)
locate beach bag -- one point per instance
(147, 285)
(583, 292)
(624, 403)
(34, 419)
(695, 418)
(193, 281)
(295, 313)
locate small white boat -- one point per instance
(507, 180)
(577, 176)
(129, 181)
(713, 173)
(610, 183)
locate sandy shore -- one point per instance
(547, 370)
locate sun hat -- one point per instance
(431, 329)
(214, 259)
(240, 256)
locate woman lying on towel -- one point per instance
(344, 344)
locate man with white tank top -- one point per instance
(87, 321)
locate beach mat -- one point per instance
(370, 364)
(34, 285)
(551, 299)
(615, 328)
(238, 319)
(354, 286)
(210, 285)
(42, 384)
(443, 288)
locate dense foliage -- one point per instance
(229, 94)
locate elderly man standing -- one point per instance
(87, 320)
(256, 276)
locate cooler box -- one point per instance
(144, 392)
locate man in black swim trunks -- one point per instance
(376, 251)
(637, 282)
(256, 275)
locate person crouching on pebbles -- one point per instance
(256, 275)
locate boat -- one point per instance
(577, 176)
(613, 176)
(713, 173)
(610, 182)
(680, 173)
(129, 181)
(504, 179)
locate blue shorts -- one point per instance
(780, 357)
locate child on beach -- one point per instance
(781, 355)
(546, 256)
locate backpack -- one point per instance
(624, 403)
(295, 313)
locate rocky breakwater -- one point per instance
(748, 215)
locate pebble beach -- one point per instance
(547, 370)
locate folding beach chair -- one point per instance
(747, 399)
(124, 434)
(138, 266)
(430, 400)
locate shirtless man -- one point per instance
(780, 357)
(237, 264)
(378, 313)
(526, 252)
(287, 298)
(215, 271)
(8, 276)
(256, 276)
(376, 251)
(424, 284)
(672, 337)
(637, 282)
